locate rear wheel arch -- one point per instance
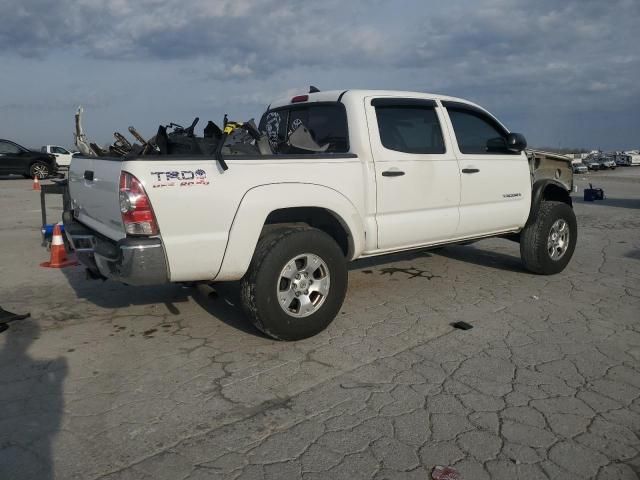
(266, 207)
(319, 218)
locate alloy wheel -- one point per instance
(303, 285)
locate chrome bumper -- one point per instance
(134, 261)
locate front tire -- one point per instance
(547, 243)
(296, 283)
(40, 170)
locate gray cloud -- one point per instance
(577, 57)
(260, 34)
(245, 37)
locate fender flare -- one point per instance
(258, 202)
(537, 194)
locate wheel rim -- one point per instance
(40, 171)
(303, 285)
(558, 241)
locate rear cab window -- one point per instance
(326, 121)
(274, 125)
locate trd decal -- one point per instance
(182, 178)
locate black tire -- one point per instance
(39, 169)
(534, 251)
(259, 287)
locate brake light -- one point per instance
(300, 98)
(135, 207)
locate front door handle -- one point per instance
(470, 170)
(392, 173)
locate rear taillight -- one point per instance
(137, 214)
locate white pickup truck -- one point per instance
(63, 156)
(401, 171)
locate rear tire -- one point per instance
(289, 261)
(40, 170)
(547, 243)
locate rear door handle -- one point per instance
(392, 173)
(88, 175)
(470, 170)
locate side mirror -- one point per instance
(516, 142)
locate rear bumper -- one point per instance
(134, 261)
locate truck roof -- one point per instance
(334, 95)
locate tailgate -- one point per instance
(95, 194)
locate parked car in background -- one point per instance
(592, 164)
(579, 168)
(622, 159)
(63, 156)
(634, 157)
(607, 163)
(18, 160)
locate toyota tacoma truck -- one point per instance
(397, 171)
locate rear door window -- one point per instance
(410, 129)
(327, 124)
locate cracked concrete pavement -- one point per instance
(112, 382)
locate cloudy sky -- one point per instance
(565, 73)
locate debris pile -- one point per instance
(233, 139)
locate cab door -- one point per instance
(495, 183)
(417, 174)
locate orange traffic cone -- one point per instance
(36, 183)
(58, 253)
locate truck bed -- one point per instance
(195, 201)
